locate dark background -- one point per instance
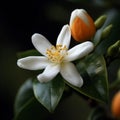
(18, 21)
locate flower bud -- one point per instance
(82, 25)
(114, 50)
(115, 105)
(100, 21)
(106, 31)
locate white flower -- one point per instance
(56, 59)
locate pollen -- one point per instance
(57, 53)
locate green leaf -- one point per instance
(93, 71)
(28, 53)
(25, 95)
(98, 113)
(26, 106)
(49, 94)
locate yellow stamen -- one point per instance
(56, 54)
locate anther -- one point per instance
(56, 54)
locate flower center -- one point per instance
(56, 54)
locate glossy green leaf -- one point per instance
(93, 71)
(28, 53)
(49, 94)
(24, 96)
(26, 105)
(98, 113)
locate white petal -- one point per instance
(41, 43)
(49, 73)
(70, 74)
(33, 62)
(64, 36)
(79, 51)
(81, 13)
